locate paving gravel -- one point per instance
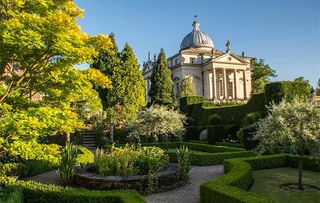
(189, 193)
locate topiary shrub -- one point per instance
(214, 119)
(204, 135)
(189, 121)
(251, 118)
(245, 135)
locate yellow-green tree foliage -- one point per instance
(187, 87)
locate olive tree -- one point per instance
(295, 124)
(158, 122)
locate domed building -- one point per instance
(217, 76)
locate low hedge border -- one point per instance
(29, 168)
(10, 194)
(33, 192)
(216, 154)
(212, 158)
(227, 144)
(233, 186)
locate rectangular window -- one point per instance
(176, 61)
(192, 60)
(177, 88)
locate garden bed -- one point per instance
(166, 179)
(234, 185)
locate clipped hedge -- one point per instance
(233, 186)
(212, 158)
(10, 194)
(276, 91)
(187, 103)
(217, 133)
(33, 192)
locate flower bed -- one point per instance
(233, 186)
(166, 179)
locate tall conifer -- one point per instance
(161, 83)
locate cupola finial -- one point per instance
(196, 24)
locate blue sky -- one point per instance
(286, 33)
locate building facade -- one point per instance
(217, 76)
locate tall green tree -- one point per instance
(261, 74)
(187, 87)
(107, 62)
(161, 83)
(128, 82)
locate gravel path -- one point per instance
(189, 193)
(50, 177)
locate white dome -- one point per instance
(196, 38)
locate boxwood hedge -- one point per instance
(233, 186)
(32, 192)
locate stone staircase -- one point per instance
(89, 140)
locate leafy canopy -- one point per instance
(295, 123)
(187, 87)
(158, 121)
(42, 38)
(261, 74)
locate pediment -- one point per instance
(230, 58)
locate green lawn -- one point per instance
(193, 151)
(266, 182)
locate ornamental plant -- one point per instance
(68, 163)
(295, 124)
(130, 160)
(184, 161)
(158, 122)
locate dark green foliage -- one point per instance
(107, 62)
(189, 121)
(238, 179)
(186, 103)
(36, 167)
(220, 133)
(184, 161)
(309, 163)
(212, 158)
(127, 80)
(236, 145)
(10, 194)
(121, 135)
(261, 74)
(245, 135)
(67, 163)
(41, 193)
(214, 119)
(251, 118)
(276, 91)
(161, 84)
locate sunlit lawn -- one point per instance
(266, 182)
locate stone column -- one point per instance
(235, 83)
(244, 84)
(225, 88)
(214, 88)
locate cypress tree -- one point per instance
(127, 81)
(161, 83)
(106, 62)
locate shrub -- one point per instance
(216, 133)
(36, 167)
(184, 161)
(130, 160)
(11, 169)
(84, 156)
(186, 103)
(203, 135)
(246, 134)
(10, 194)
(189, 121)
(67, 163)
(251, 118)
(214, 119)
(159, 122)
(41, 193)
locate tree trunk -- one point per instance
(111, 133)
(68, 138)
(300, 186)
